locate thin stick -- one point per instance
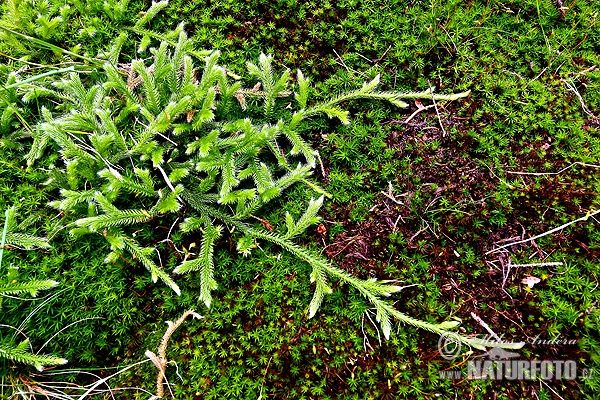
(47, 300)
(552, 390)
(416, 234)
(170, 230)
(3, 240)
(547, 264)
(505, 269)
(376, 328)
(341, 60)
(160, 361)
(101, 381)
(362, 327)
(40, 76)
(538, 75)
(53, 47)
(66, 327)
(450, 37)
(343, 64)
(572, 88)
(383, 55)
(360, 55)
(416, 112)
(437, 111)
(320, 163)
(513, 73)
(520, 326)
(18, 330)
(264, 378)
(395, 225)
(391, 197)
(485, 326)
(68, 385)
(166, 138)
(584, 218)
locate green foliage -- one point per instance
(11, 238)
(530, 66)
(176, 124)
(58, 27)
(21, 352)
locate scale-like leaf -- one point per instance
(168, 203)
(105, 203)
(262, 177)
(154, 9)
(178, 174)
(307, 219)
(192, 224)
(142, 254)
(21, 354)
(204, 144)
(302, 95)
(269, 194)
(335, 112)
(245, 245)
(114, 219)
(238, 195)
(31, 287)
(204, 263)
(116, 134)
(320, 291)
(229, 178)
(26, 242)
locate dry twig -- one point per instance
(419, 109)
(437, 111)
(485, 326)
(584, 218)
(160, 361)
(554, 173)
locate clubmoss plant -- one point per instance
(11, 237)
(79, 27)
(155, 139)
